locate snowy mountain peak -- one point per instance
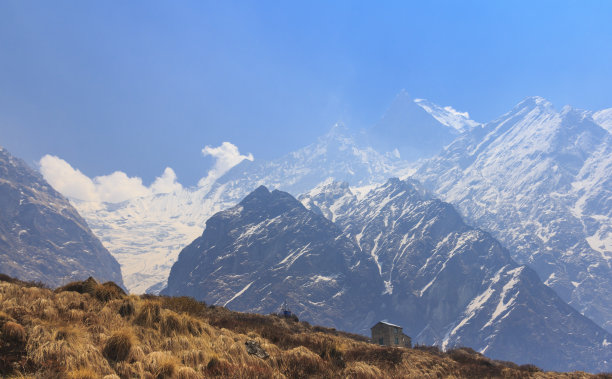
(604, 118)
(411, 129)
(277, 201)
(448, 116)
(534, 102)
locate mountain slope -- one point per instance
(42, 237)
(416, 129)
(146, 234)
(134, 337)
(541, 181)
(604, 118)
(269, 249)
(454, 285)
(448, 116)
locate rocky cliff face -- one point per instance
(456, 285)
(540, 181)
(269, 249)
(42, 237)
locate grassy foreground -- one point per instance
(89, 330)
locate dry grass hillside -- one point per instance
(89, 330)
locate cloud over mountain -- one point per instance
(118, 186)
(226, 156)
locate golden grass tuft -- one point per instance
(362, 370)
(83, 373)
(118, 346)
(13, 333)
(149, 314)
(188, 373)
(161, 364)
(4, 318)
(193, 358)
(300, 362)
(127, 308)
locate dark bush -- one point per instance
(430, 349)
(118, 346)
(529, 368)
(13, 333)
(108, 291)
(377, 355)
(127, 308)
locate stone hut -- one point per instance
(387, 334)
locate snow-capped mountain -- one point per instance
(453, 285)
(146, 234)
(397, 254)
(540, 180)
(460, 121)
(417, 128)
(42, 237)
(269, 249)
(604, 118)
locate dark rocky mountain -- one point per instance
(269, 249)
(456, 285)
(540, 180)
(42, 237)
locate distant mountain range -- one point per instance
(540, 180)
(394, 253)
(537, 179)
(154, 229)
(42, 237)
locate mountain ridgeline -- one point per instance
(270, 249)
(540, 180)
(394, 253)
(42, 237)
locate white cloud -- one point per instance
(67, 180)
(166, 183)
(227, 156)
(72, 183)
(118, 186)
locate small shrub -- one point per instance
(118, 346)
(83, 373)
(378, 355)
(361, 370)
(171, 324)
(430, 349)
(219, 367)
(108, 291)
(161, 364)
(184, 304)
(149, 314)
(86, 286)
(193, 357)
(529, 368)
(301, 362)
(187, 373)
(127, 308)
(13, 333)
(4, 318)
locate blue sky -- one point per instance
(137, 86)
